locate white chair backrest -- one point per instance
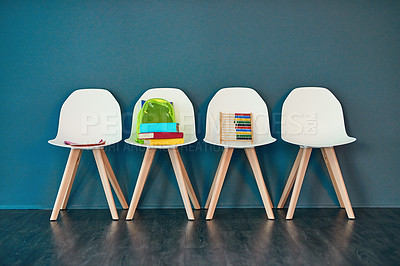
(184, 113)
(312, 116)
(89, 115)
(238, 100)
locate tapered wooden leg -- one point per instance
(290, 181)
(329, 167)
(106, 185)
(64, 205)
(333, 162)
(173, 154)
(299, 181)
(143, 173)
(220, 165)
(113, 180)
(255, 166)
(226, 157)
(189, 187)
(68, 172)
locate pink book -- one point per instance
(101, 142)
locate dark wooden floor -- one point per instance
(234, 237)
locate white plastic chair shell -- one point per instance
(86, 117)
(184, 115)
(313, 117)
(238, 100)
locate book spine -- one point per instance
(159, 127)
(146, 135)
(164, 141)
(161, 135)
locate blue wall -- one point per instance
(50, 48)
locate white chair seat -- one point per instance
(238, 100)
(323, 144)
(60, 143)
(313, 117)
(133, 142)
(241, 145)
(184, 115)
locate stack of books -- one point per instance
(160, 134)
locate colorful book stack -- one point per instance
(161, 134)
(243, 126)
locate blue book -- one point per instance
(159, 127)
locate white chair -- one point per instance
(184, 115)
(86, 117)
(312, 117)
(238, 100)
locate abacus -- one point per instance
(236, 127)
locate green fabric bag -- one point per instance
(154, 111)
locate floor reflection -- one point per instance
(213, 234)
(65, 241)
(158, 241)
(263, 235)
(328, 240)
(85, 240)
(232, 237)
(240, 245)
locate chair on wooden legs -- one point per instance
(184, 115)
(90, 119)
(312, 117)
(237, 118)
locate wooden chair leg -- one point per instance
(68, 172)
(299, 181)
(173, 154)
(220, 166)
(65, 201)
(255, 166)
(113, 180)
(331, 175)
(143, 173)
(290, 181)
(106, 185)
(225, 159)
(333, 162)
(189, 187)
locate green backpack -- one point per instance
(154, 111)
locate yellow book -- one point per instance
(163, 141)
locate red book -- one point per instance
(161, 135)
